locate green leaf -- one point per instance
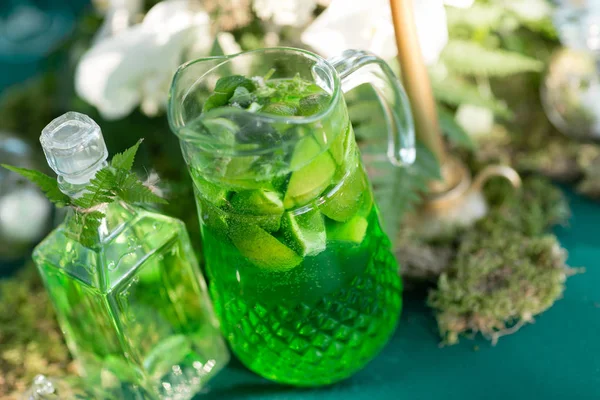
(228, 84)
(398, 190)
(242, 97)
(216, 50)
(125, 159)
(453, 131)
(215, 100)
(84, 226)
(454, 92)
(476, 16)
(100, 190)
(470, 58)
(365, 111)
(46, 183)
(131, 190)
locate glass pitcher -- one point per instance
(302, 276)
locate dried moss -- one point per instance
(530, 211)
(30, 341)
(506, 270)
(498, 283)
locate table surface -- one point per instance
(557, 357)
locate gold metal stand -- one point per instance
(459, 184)
(456, 184)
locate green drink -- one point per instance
(132, 303)
(301, 274)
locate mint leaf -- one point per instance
(228, 84)
(466, 57)
(125, 159)
(46, 183)
(100, 190)
(224, 90)
(242, 97)
(215, 100)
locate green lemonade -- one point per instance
(302, 276)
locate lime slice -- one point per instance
(366, 204)
(212, 217)
(343, 145)
(308, 182)
(246, 184)
(270, 223)
(263, 208)
(239, 167)
(262, 249)
(346, 201)
(167, 353)
(210, 191)
(307, 149)
(305, 233)
(257, 202)
(352, 231)
(337, 148)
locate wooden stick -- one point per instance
(415, 78)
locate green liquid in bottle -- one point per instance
(132, 304)
(134, 311)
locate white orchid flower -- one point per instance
(367, 25)
(118, 16)
(475, 120)
(285, 12)
(136, 65)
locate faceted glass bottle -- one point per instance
(133, 307)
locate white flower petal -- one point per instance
(285, 12)
(367, 25)
(475, 120)
(432, 28)
(228, 43)
(136, 66)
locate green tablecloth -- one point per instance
(558, 357)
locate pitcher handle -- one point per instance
(356, 67)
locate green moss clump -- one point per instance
(532, 210)
(497, 284)
(506, 270)
(31, 342)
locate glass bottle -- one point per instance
(302, 275)
(133, 307)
